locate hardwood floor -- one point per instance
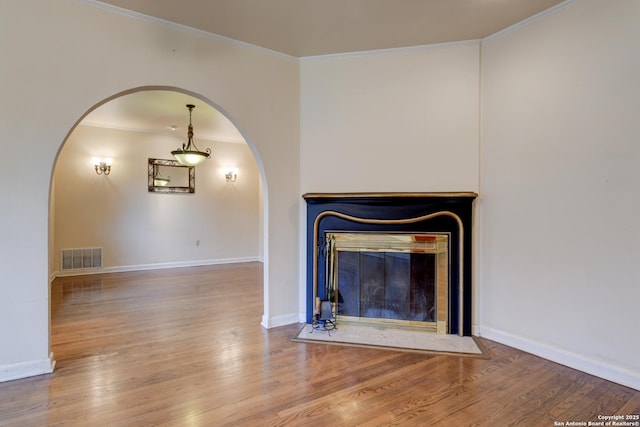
(184, 347)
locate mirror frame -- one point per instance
(153, 166)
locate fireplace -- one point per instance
(391, 259)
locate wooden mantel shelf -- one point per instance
(388, 194)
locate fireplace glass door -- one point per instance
(392, 278)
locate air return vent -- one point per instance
(80, 259)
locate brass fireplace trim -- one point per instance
(316, 226)
(396, 242)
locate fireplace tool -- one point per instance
(324, 318)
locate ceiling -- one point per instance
(160, 111)
(300, 28)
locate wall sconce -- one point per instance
(102, 166)
(231, 175)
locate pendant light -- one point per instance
(189, 155)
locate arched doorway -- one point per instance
(136, 229)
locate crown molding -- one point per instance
(528, 21)
(390, 51)
(183, 28)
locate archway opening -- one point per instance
(223, 221)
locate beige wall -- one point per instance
(405, 120)
(60, 59)
(560, 240)
(138, 229)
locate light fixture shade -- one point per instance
(189, 155)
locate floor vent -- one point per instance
(80, 259)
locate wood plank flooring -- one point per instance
(184, 347)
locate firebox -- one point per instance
(399, 279)
(399, 259)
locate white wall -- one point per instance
(560, 240)
(138, 229)
(62, 58)
(400, 120)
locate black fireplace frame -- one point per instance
(450, 212)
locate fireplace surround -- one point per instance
(421, 216)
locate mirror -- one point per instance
(169, 176)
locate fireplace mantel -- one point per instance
(402, 212)
(383, 195)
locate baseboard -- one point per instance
(32, 368)
(274, 322)
(156, 266)
(475, 330)
(594, 367)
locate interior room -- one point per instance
(218, 222)
(538, 118)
